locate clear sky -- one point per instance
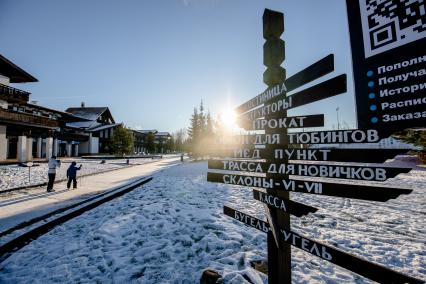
(151, 62)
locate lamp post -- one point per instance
(338, 123)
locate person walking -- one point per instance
(51, 173)
(72, 175)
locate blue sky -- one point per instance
(151, 62)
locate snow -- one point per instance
(173, 228)
(12, 176)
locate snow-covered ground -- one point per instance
(12, 176)
(171, 229)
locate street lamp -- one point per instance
(338, 123)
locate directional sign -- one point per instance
(356, 264)
(309, 74)
(369, 173)
(280, 103)
(312, 137)
(323, 154)
(288, 206)
(388, 40)
(364, 192)
(246, 219)
(280, 122)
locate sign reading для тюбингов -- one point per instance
(268, 165)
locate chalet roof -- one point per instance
(105, 126)
(162, 134)
(84, 124)
(67, 116)
(13, 72)
(154, 131)
(90, 113)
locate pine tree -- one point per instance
(122, 141)
(416, 137)
(202, 120)
(200, 133)
(209, 126)
(193, 130)
(179, 138)
(194, 133)
(149, 142)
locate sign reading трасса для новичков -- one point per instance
(277, 161)
(388, 40)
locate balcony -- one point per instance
(12, 117)
(13, 95)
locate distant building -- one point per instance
(161, 140)
(29, 130)
(139, 140)
(99, 125)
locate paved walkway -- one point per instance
(23, 205)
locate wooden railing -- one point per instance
(13, 94)
(25, 118)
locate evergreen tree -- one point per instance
(122, 141)
(202, 120)
(200, 133)
(170, 145)
(179, 139)
(149, 142)
(209, 126)
(193, 128)
(416, 137)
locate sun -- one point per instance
(228, 118)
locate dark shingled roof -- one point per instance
(13, 72)
(91, 113)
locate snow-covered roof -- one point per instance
(83, 124)
(103, 127)
(162, 134)
(92, 113)
(147, 131)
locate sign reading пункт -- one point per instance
(388, 40)
(277, 162)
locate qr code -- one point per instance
(388, 24)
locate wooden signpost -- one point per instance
(277, 162)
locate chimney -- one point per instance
(83, 104)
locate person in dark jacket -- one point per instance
(72, 175)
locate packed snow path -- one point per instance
(20, 206)
(171, 229)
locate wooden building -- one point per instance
(99, 124)
(29, 130)
(161, 140)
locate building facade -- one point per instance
(27, 130)
(99, 124)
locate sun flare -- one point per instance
(228, 118)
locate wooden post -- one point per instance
(279, 258)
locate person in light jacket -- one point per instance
(72, 175)
(52, 165)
